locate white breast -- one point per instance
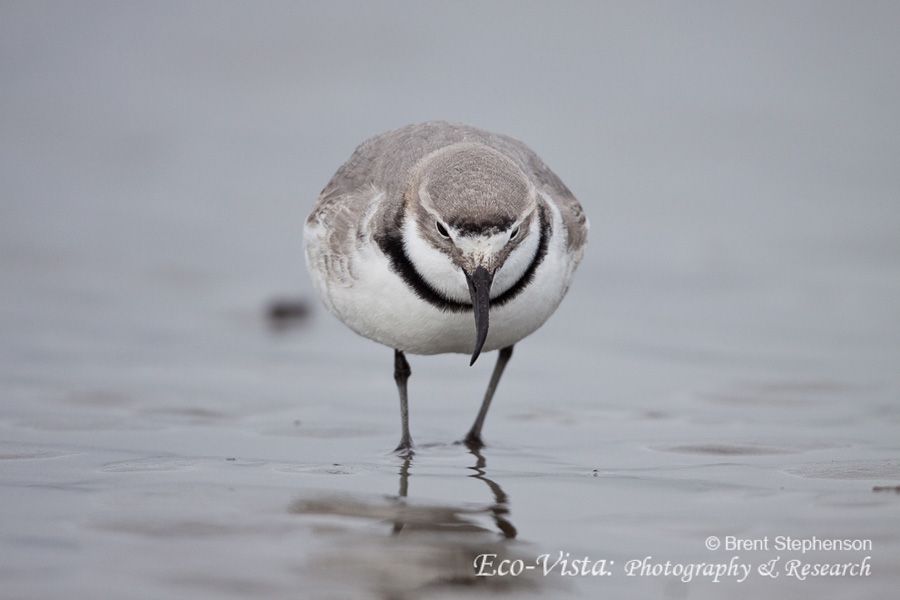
(376, 303)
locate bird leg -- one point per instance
(401, 375)
(473, 438)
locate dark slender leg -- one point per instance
(401, 374)
(473, 438)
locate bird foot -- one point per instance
(472, 441)
(404, 449)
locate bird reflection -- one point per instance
(454, 519)
(500, 508)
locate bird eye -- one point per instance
(514, 232)
(442, 230)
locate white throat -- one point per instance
(445, 277)
(518, 261)
(434, 266)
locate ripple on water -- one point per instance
(150, 464)
(886, 469)
(727, 449)
(187, 414)
(317, 432)
(83, 422)
(100, 398)
(785, 394)
(317, 469)
(168, 528)
(12, 453)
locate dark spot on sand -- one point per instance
(284, 313)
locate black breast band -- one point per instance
(392, 246)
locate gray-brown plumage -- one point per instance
(386, 163)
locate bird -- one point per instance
(439, 238)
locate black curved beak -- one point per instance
(480, 291)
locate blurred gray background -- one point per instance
(746, 151)
(738, 162)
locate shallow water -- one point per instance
(725, 364)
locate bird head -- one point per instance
(473, 227)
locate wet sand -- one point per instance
(725, 364)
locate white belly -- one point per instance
(376, 303)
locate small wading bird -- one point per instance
(430, 225)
